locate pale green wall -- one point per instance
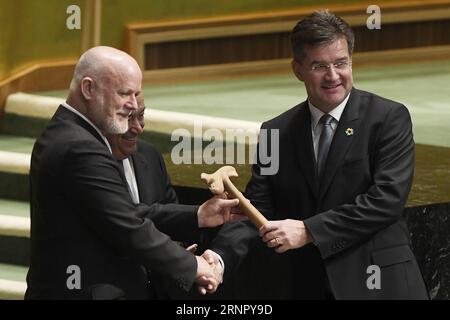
(35, 30)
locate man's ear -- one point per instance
(296, 68)
(86, 87)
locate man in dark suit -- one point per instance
(346, 161)
(89, 240)
(150, 183)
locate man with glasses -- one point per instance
(346, 167)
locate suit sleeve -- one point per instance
(382, 204)
(178, 221)
(92, 179)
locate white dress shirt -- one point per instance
(131, 179)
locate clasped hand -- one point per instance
(209, 272)
(216, 211)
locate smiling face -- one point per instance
(114, 99)
(124, 145)
(326, 88)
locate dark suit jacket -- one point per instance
(82, 214)
(154, 186)
(151, 175)
(354, 213)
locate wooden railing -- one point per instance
(50, 75)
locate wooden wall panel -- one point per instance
(403, 35)
(268, 46)
(216, 51)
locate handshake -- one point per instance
(212, 213)
(216, 211)
(209, 272)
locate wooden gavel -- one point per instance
(219, 182)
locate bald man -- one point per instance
(89, 239)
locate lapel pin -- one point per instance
(349, 131)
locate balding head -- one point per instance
(100, 61)
(104, 87)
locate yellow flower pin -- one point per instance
(349, 131)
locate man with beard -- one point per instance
(89, 240)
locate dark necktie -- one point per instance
(324, 142)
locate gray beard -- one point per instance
(114, 128)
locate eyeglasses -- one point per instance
(322, 68)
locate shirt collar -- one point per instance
(336, 113)
(67, 106)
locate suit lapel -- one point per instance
(303, 146)
(347, 128)
(62, 113)
(65, 114)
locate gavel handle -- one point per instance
(250, 211)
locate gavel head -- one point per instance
(215, 180)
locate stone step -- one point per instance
(14, 232)
(14, 167)
(12, 281)
(28, 114)
(14, 218)
(14, 162)
(18, 144)
(15, 153)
